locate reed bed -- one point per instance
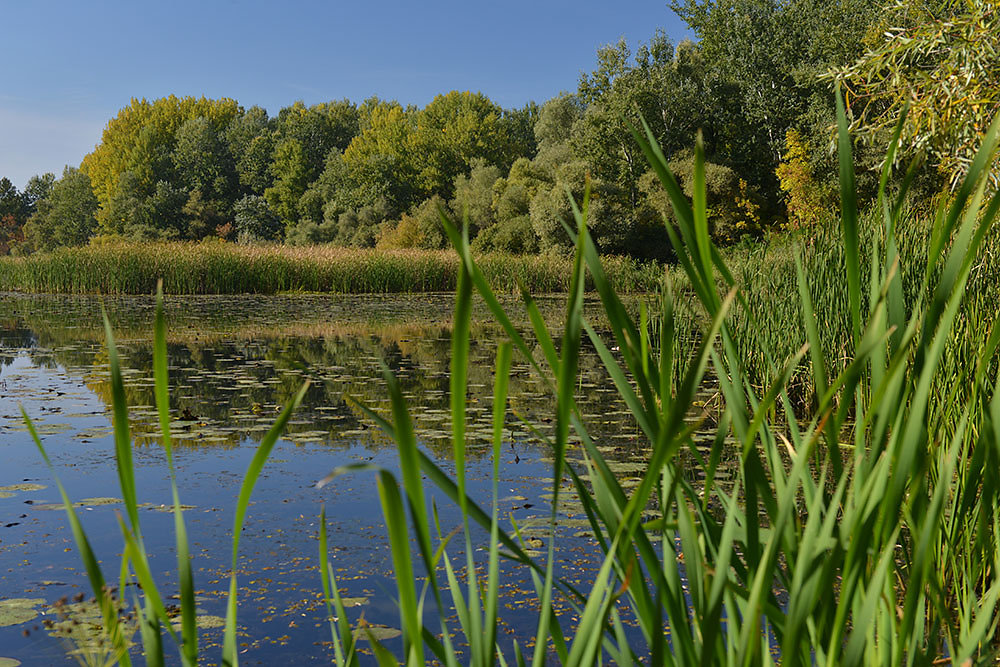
(867, 533)
(767, 325)
(226, 268)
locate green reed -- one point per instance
(227, 268)
(771, 326)
(867, 532)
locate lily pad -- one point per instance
(94, 502)
(203, 621)
(353, 602)
(163, 508)
(50, 429)
(82, 624)
(9, 662)
(86, 502)
(378, 632)
(208, 621)
(625, 467)
(92, 433)
(18, 610)
(89, 637)
(85, 610)
(29, 486)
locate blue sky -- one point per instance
(70, 65)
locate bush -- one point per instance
(733, 205)
(254, 220)
(361, 227)
(307, 232)
(474, 195)
(514, 236)
(805, 201)
(406, 234)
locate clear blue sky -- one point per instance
(69, 66)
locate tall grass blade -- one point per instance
(185, 577)
(109, 613)
(399, 542)
(849, 217)
(123, 443)
(500, 389)
(340, 629)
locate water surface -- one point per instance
(234, 361)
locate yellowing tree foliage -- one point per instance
(946, 66)
(427, 149)
(804, 196)
(141, 138)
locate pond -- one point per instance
(234, 362)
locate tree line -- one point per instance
(758, 84)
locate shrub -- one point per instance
(406, 234)
(515, 235)
(307, 232)
(807, 207)
(733, 205)
(253, 220)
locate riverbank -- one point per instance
(227, 268)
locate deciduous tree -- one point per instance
(942, 61)
(65, 217)
(140, 141)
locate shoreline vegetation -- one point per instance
(375, 173)
(227, 268)
(867, 532)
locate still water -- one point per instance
(234, 362)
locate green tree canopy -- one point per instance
(763, 58)
(250, 137)
(66, 215)
(254, 221)
(408, 155)
(202, 161)
(556, 118)
(11, 202)
(474, 194)
(38, 188)
(11, 206)
(318, 129)
(378, 160)
(521, 129)
(292, 175)
(140, 141)
(662, 85)
(452, 131)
